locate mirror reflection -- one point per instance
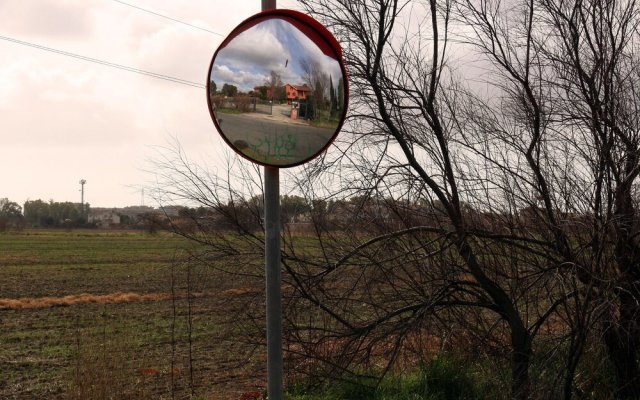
(276, 95)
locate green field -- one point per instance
(94, 314)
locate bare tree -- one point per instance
(570, 73)
(318, 80)
(275, 86)
(406, 93)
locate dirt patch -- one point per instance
(239, 291)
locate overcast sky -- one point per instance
(273, 45)
(64, 119)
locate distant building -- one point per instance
(171, 211)
(133, 212)
(103, 217)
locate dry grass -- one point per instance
(71, 300)
(84, 298)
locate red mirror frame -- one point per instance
(319, 35)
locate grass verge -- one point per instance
(443, 378)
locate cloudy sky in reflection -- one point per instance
(271, 45)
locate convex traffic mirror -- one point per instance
(277, 88)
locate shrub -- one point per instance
(443, 378)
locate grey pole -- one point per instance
(268, 5)
(272, 265)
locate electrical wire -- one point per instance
(105, 63)
(169, 18)
(120, 66)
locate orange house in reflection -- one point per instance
(292, 92)
(300, 92)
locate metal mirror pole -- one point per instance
(272, 265)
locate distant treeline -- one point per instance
(363, 213)
(299, 213)
(52, 214)
(41, 214)
(10, 214)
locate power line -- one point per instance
(169, 18)
(105, 63)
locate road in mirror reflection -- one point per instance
(276, 96)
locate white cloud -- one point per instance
(45, 18)
(273, 45)
(244, 80)
(257, 46)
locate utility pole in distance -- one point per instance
(82, 182)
